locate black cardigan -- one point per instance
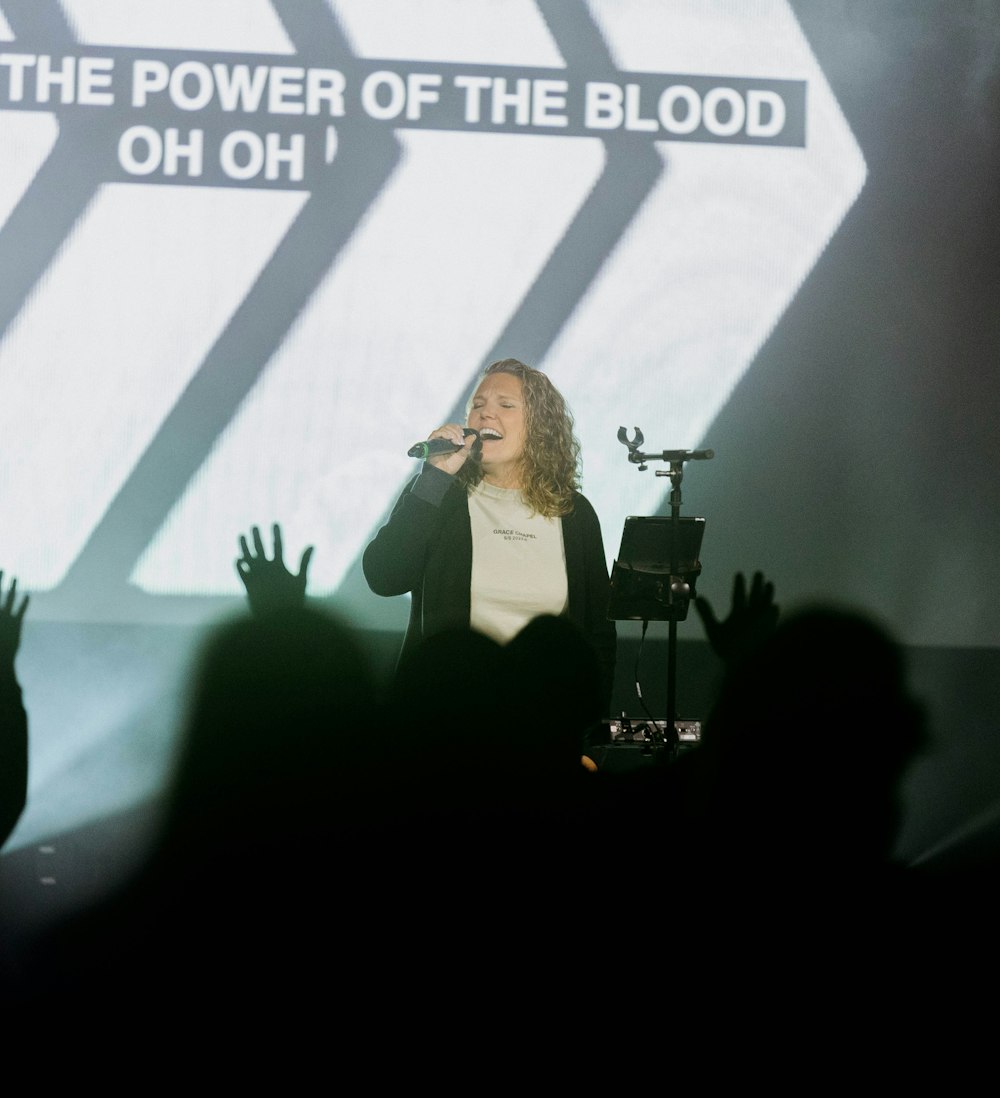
(426, 549)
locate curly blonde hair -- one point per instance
(550, 463)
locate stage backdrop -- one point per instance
(251, 251)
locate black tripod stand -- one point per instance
(654, 577)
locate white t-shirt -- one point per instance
(518, 562)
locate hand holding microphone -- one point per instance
(441, 444)
(447, 448)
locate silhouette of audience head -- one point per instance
(809, 740)
(273, 737)
(449, 709)
(271, 770)
(558, 682)
(501, 715)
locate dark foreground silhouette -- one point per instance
(448, 832)
(243, 883)
(13, 718)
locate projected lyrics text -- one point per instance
(275, 121)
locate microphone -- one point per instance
(434, 446)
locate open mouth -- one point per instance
(490, 434)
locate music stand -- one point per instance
(654, 579)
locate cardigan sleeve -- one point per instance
(394, 561)
(601, 631)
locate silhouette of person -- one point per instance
(13, 718)
(806, 747)
(559, 696)
(262, 831)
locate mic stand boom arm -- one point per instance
(637, 457)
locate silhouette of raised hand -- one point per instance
(752, 618)
(268, 582)
(11, 620)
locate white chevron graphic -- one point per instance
(456, 239)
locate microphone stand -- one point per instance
(680, 589)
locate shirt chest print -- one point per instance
(509, 534)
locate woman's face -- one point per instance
(497, 413)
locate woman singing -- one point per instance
(496, 533)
